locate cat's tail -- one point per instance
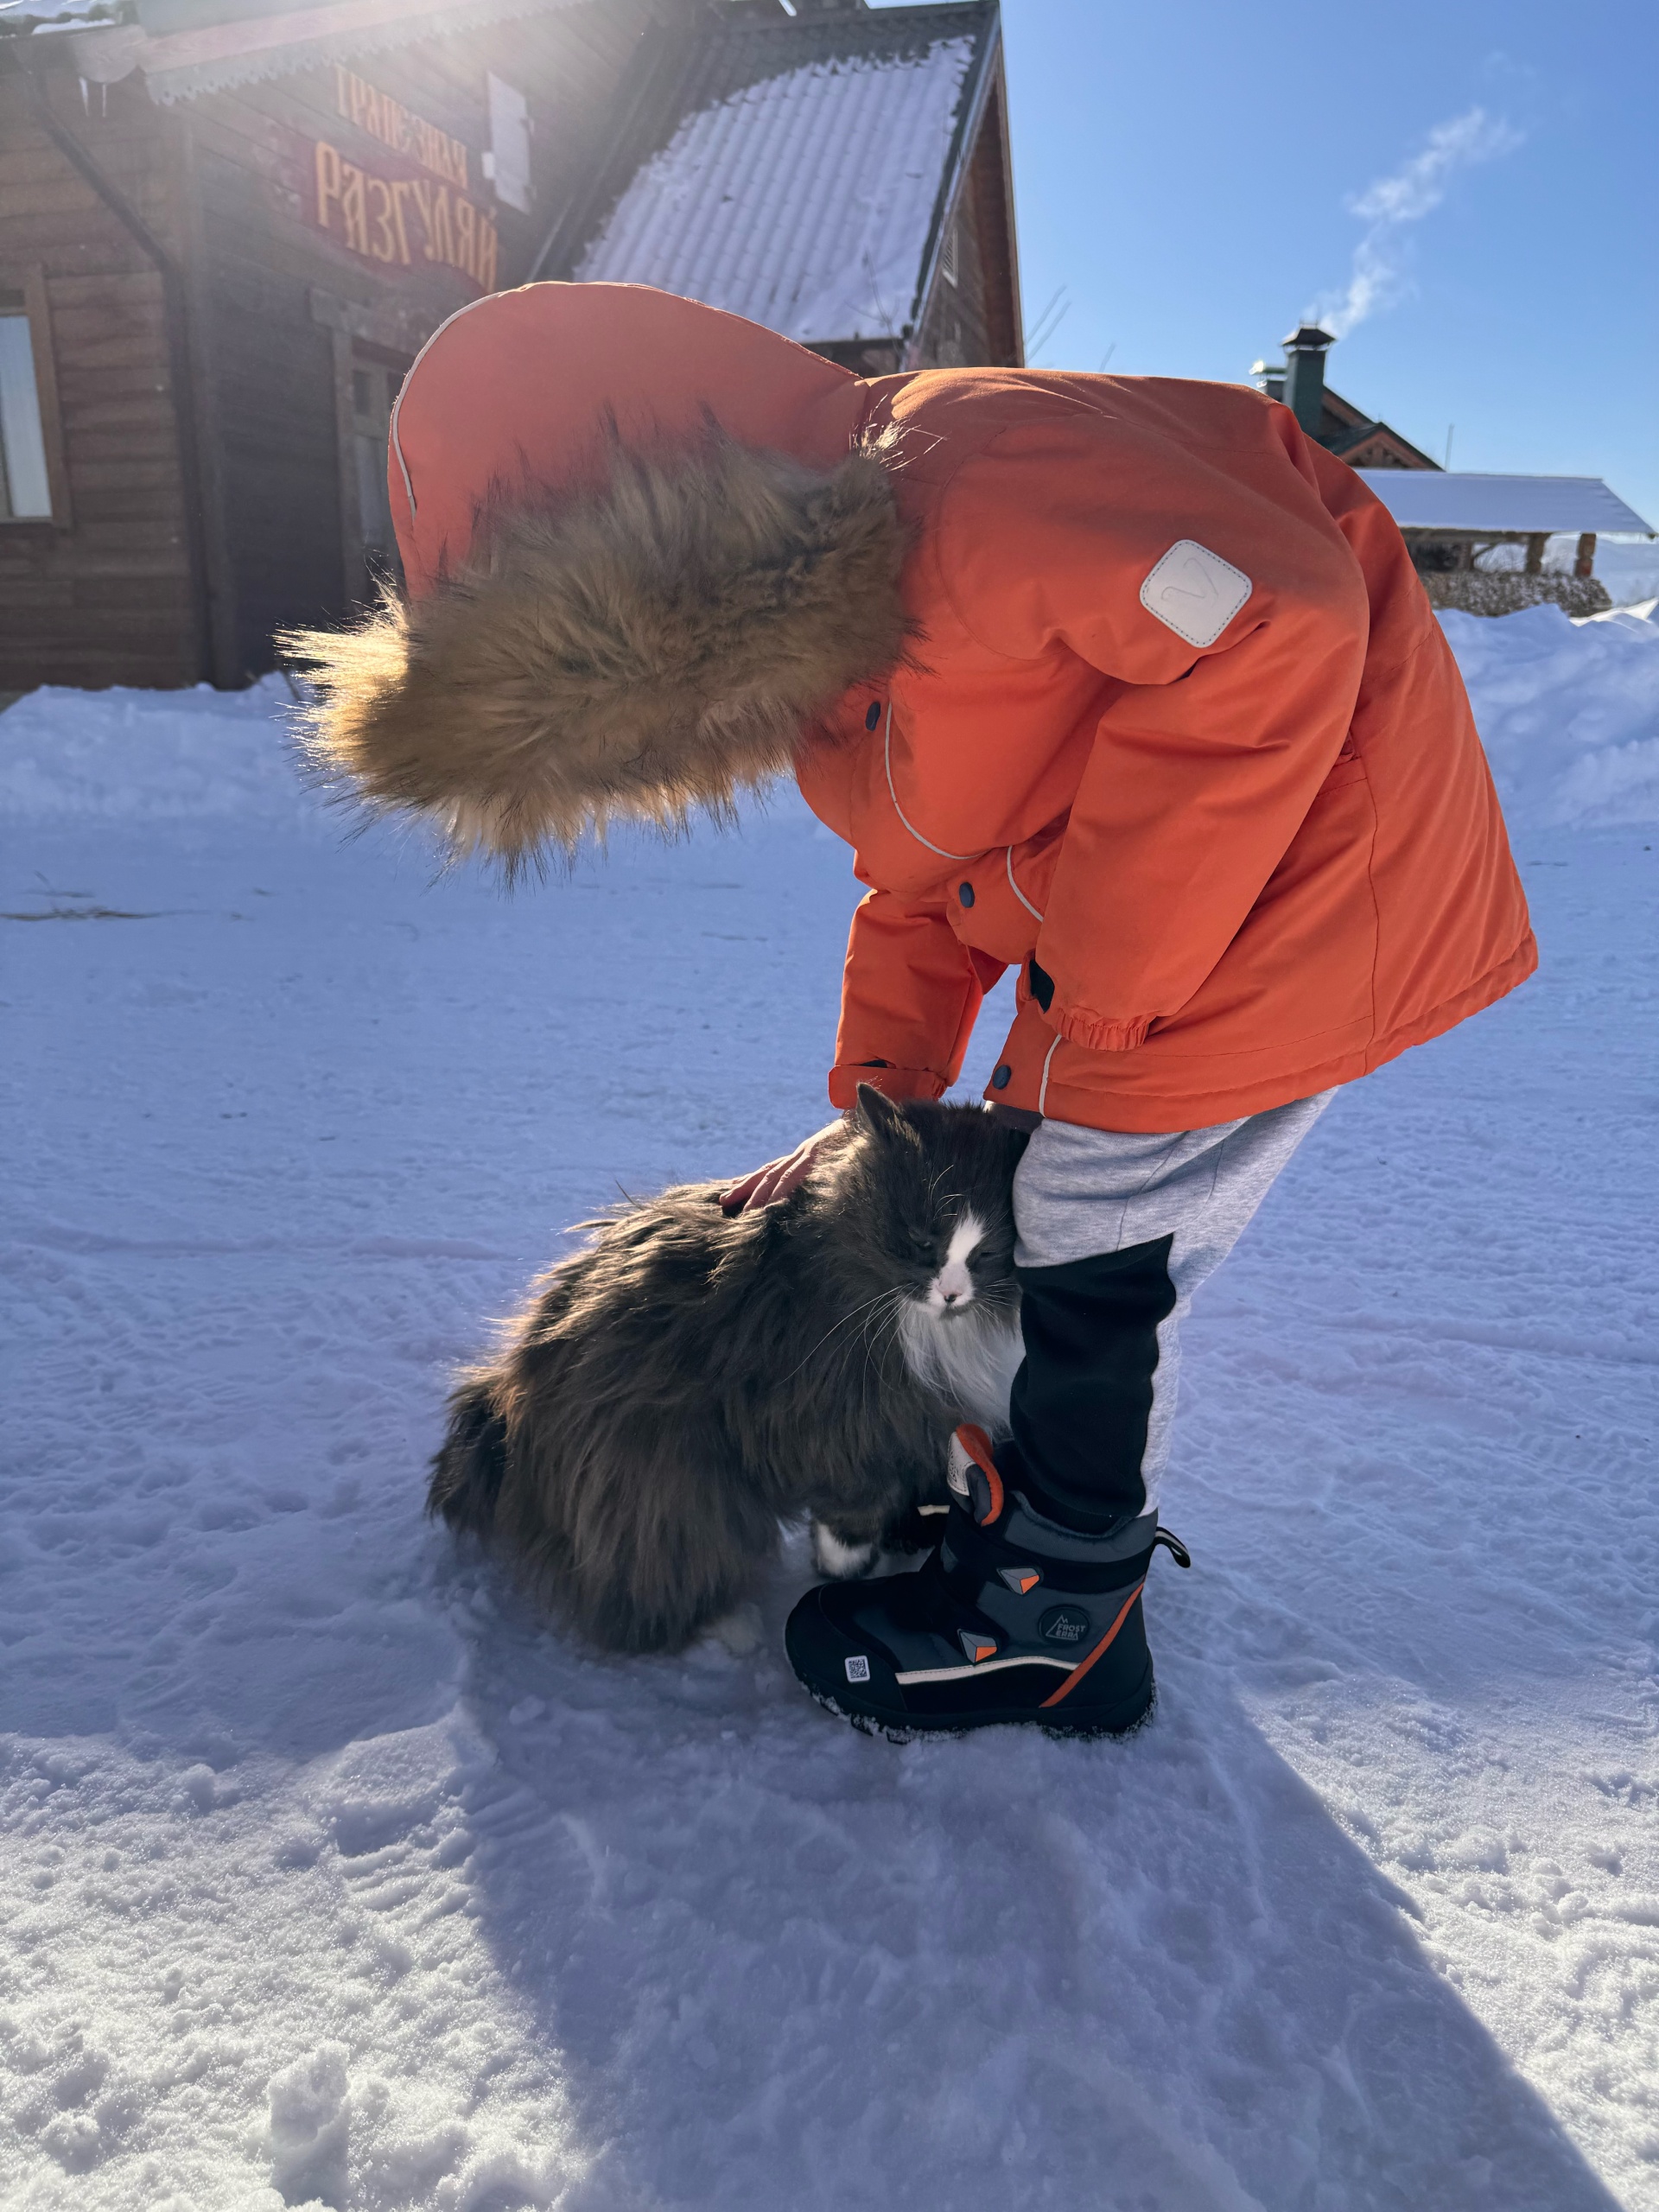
(468, 1471)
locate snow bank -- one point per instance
(1629, 570)
(127, 755)
(1569, 711)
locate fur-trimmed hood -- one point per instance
(634, 650)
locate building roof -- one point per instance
(1345, 430)
(1377, 445)
(238, 47)
(808, 169)
(1452, 500)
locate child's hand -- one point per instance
(767, 1184)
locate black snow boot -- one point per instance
(1013, 1617)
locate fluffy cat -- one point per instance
(690, 1378)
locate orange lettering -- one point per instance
(486, 252)
(422, 192)
(351, 207)
(400, 192)
(466, 219)
(398, 126)
(439, 244)
(327, 181)
(380, 215)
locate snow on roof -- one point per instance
(47, 14)
(805, 201)
(1424, 499)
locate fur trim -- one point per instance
(633, 654)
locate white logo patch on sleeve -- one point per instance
(1194, 592)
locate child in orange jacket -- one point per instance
(1120, 683)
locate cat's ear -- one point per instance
(877, 1114)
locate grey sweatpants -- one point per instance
(1078, 1192)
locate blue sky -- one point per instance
(1187, 171)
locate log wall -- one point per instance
(106, 594)
(270, 313)
(972, 323)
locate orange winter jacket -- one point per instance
(1184, 743)
(1176, 735)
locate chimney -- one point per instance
(1305, 351)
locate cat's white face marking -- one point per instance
(951, 1290)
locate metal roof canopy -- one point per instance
(1438, 500)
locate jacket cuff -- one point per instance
(897, 1084)
(1097, 1034)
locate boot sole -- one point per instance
(1126, 1718)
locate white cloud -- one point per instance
(1387, 206)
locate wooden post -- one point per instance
(1586, 563)
(1536, 553)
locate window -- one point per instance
(25, 472)
(374, 390)
(948, 256)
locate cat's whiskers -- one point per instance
(882, 1306)
(852, 1315)
(887, 1321)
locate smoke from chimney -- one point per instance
(1378, 278)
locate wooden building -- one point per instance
(228, 226)
(1337, 424)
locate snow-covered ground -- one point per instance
(330, 1875)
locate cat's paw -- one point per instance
(738, 1632)
(839, 1560)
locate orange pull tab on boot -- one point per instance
(973, 1473)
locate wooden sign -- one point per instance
(401, 222)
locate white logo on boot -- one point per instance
(858, 1670)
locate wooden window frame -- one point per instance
(350, 354)
(30, 279)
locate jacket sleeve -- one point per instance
(910, 995)
(1208, 751)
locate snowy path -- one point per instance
(328, 1874)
